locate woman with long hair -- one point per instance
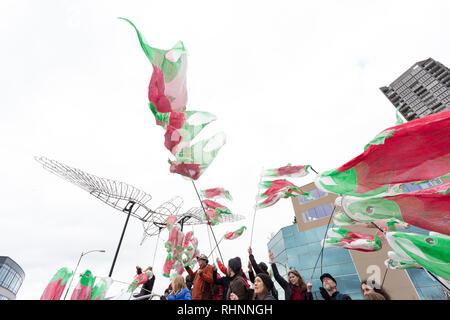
(296, 288)
(263, 287)
(179, 290)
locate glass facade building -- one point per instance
(300, 250)
(11, 278)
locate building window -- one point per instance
(429, 184)
(315, 194)
(3, 273)
(319, 212)
(301, 250)
(10, 279)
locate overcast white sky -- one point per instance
(293, 82)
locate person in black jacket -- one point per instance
(329, 291)
(222, 281)
(147, 287)
(189, 282)
(259, 268)
(295, 289)
(166, 294)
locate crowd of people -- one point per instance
(206, 283)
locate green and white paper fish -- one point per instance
(432, 252)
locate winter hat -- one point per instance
(263, 266)
(327, 275)
(268, 283)
(235, 264)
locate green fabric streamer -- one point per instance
(160, 58)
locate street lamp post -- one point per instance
(82, 254)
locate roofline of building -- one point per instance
(12, 263)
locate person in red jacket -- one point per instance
(203, 284)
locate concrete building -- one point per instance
(299, 246)
(421, 90)
(11, 278)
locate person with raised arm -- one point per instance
(259, 268)
(295, 288)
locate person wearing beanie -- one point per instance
(295, 288)
(328, 289)
(263, 287)
(237, 287)
(259, 268)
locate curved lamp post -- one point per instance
(82, 254)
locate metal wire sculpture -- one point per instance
(158, 222)
(130, 200)
(122, 196)
(116, 194)
(125, 197)
(194, 216)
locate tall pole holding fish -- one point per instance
(78, 263)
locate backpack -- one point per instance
(339, 296)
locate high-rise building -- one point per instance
(422, 90)
(299, 245)
(11, 278)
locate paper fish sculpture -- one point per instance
(414, 151)
(56, 286)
